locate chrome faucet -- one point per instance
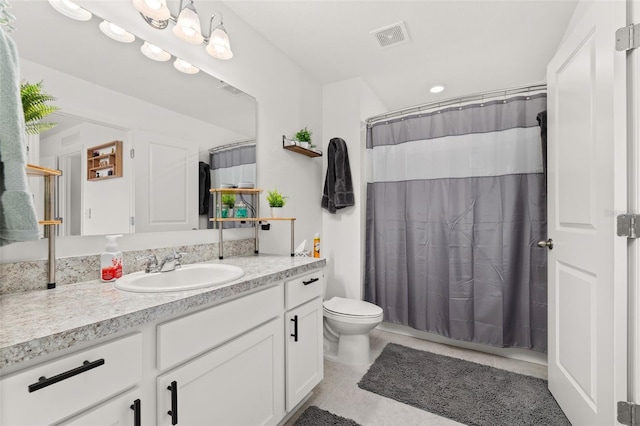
(168, 264)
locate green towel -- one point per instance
(18, 220)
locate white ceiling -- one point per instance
(470, 46)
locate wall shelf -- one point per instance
(104, 161)
(49, 221)
(294, 146)
(33, 170)
(253, 192)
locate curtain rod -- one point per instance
(232, 145)
(454, 101)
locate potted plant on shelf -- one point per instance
(304, 137)
(228, 201)
(276, 201)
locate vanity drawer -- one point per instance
(304, 288)
(177, 340)
(73, 383)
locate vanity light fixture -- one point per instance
(437, 88)
(116, 33)
(185, 67)
(156, 10)
(71, 10)
(152, 51)
(187, 25)
(219, 46)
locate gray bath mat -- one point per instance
(463, 391)
(314, 416)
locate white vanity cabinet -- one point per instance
(58, 389)
(246, 360)
(303, 336)
(241, 381)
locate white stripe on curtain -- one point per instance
(512, 151)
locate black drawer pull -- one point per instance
(295, 328)
(174, 402)
(312, 280)
(43, 382)
(137, 415)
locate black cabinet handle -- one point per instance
(137, 415)
(43, 382)
(312, 280)
(295, 328)
(174, 402)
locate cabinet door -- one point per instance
(124, 410)
(304, 350)
(239, 383)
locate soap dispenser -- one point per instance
(111, 260)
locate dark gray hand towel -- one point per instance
(205, 185)
(338, 186)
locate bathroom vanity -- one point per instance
(245, 353)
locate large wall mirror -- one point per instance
(173, 126)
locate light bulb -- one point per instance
(115, 32)
(152, 51)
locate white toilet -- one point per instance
(347, 323)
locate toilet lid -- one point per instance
(352, 307)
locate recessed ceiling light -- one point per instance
(437, 88)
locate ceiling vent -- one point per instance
(391, 35)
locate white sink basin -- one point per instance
(187, 277)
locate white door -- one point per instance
(586, 186)
(166, 182)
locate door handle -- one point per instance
(137, 416)
(548, 244)
(295, 328)
(174, 402)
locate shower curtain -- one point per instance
(456, 203)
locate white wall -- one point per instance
(346, 105)
(288, 99)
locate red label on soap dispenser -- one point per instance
(113, 271)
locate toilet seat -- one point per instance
(351, 308)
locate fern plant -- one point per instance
(35, 107)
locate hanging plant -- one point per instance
(35, 106)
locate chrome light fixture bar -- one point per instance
(187, 25)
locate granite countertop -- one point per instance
(40, 322)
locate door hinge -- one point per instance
(132, 153)
(628, 37)
(133, 220)
(628, 225)
(628, 413)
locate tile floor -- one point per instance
(339, 392)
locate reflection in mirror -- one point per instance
(232, 166)
(87, 206)
(109, 91)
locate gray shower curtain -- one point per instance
(456, 203)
